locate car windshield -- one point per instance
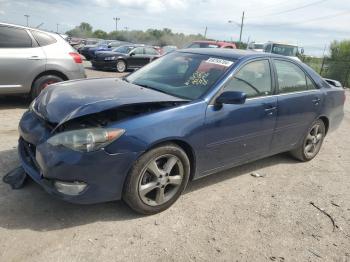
(285, 50)
(123, 49)
(183, 75)
(258, 46)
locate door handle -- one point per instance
(316, 101)
(34, 58)
(270, 110)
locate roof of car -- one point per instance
(222, 52)
(26, 27)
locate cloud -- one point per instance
(151, 6)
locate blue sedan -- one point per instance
(189, 114)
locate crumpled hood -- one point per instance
(64, 101)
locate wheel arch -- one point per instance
(185, 146)
(50, 72)
(325, 120)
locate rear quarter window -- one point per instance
(11, 37)
(43, 39)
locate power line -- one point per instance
(310, 20)
(292, 9)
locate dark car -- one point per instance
(89, 50)
(189, 114)
(124, 58)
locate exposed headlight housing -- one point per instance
(110, 58)
(86, 140)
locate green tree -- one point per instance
(83, 30)
(100, 34)
(338, 64)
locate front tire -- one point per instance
(121, 66)
(42, 82)
(312, 142)
(157, 179)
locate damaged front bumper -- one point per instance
(58, 169)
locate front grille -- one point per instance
(29, 153)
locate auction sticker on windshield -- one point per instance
(219, 61)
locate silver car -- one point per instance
(32, 59)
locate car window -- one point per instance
(151, 51)
(14, 38)
(254, 79)
(43, 39)
(138, 51)
(290, 77)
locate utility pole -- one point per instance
(57, 28)
(116, 19)
(205, 32)
(242, 24)
(323, 60)
(27, 16)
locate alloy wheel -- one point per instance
(313, 141)
(121, 66)
(161, 179)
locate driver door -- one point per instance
(239, 133)
(137, 58)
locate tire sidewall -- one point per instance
(37, 85)
(131, 194)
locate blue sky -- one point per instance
(309, 23)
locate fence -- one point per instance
(330, 68)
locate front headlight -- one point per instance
(110, 58)
(86, 140)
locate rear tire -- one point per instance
(157, 179)
(121, 66)
(312, 142)
(42, 82)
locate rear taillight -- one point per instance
(76, 57)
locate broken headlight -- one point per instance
(86, 140)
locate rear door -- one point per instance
(237, 133)
(299, 103)
(150, 53)
(21, 59)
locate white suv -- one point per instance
(31, 59)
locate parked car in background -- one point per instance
(124, 58)
(288, 50)
(104, 47)
(31, 59)
(85, 50)
(257, 47)
(211, 44)
(187, 115)
(168, 48)
(89, 42)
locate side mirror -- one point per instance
(109, 45)
(132, 54)
(302, 51)
(231, 97)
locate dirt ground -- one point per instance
(230, 216)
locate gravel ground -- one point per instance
(230, 216)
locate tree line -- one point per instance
(151, 36)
